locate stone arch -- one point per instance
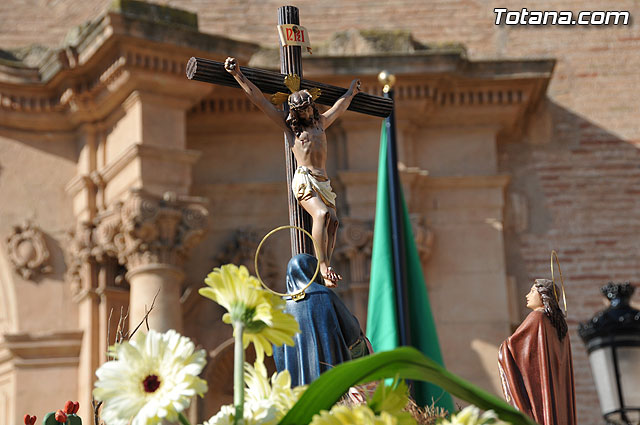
(8, 298)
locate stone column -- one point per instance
(158, 285)
(153, 239)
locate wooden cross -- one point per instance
(270, 82)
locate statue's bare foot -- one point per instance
(331, 277)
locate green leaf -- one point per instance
(74, 419)
(404, 362)
(50, 419)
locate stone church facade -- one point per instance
(122, 183)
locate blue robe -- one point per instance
(327, 328)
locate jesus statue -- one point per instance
(310, 184)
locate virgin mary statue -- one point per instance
(329, 333)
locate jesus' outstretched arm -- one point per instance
(341, 104)
(255, 95)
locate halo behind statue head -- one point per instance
(564, 296)
(296, 296)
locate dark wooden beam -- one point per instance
(270, 82)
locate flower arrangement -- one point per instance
(151, 378)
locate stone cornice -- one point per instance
(434, 87)
(133, 152)
(415, 177)
(419, 179)
(30, 350)
(433, 62)
(358, 177)
(77, 184)
(498, 93)
(239, 187)
(139, 150)
(127, 50)
(108, 59)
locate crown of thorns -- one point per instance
(295, 102)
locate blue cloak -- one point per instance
(327, 329)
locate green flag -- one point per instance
(382, 315)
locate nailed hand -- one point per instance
(231, 65)
(355, 87)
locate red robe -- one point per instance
(536, 371)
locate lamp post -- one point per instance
(612, 339)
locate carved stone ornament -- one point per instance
(145, 229)
(241, 250)
(423, 236)
(28, 251)
(78, 251)
(354, 245)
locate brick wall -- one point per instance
(577, 164)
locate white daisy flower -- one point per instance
(255, 414)
(267, 401)
(153, 378)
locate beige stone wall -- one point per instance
(34, 169)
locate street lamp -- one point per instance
(612, 338)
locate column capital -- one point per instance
(145, 229)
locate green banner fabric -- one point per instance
(382, 323)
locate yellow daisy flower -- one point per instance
(361, 415)
(277, 393)
(386, 407)
(152, 379)
(261, 312)
(392, 399)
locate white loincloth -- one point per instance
(305, 183)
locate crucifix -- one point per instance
(311, 200)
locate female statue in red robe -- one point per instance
(535, 362)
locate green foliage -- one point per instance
(50, 419)
(73, 419)
(405, 363)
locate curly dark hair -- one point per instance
(545, 288)
(298, 101)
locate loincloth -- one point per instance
(305, 184)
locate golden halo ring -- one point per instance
(296, 296)
(564, 296)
